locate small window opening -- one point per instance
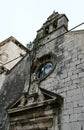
(55, 25)
(47, 30)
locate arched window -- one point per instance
(55, 25)
(47, 30)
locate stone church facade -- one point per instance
(45, 89)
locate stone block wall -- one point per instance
(67, 79)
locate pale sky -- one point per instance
(22, 18)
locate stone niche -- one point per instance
(36, 111)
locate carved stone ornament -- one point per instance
(22, 101)
(33, 88)
(33, 77)
(30, 100)
(3, 57)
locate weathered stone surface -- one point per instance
(13, 87)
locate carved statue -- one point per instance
(22, 101)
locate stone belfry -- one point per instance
(56, 23)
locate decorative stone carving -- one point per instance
(33, 77)
(33, 88)
(3, 57)
(22, 101)
(30, 100)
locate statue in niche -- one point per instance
(33, 93)
(22, 101)
(30, 100)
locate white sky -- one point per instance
(22, 18)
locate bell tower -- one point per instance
(55, 24)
